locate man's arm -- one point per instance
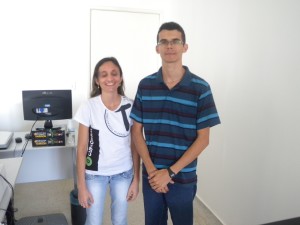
(194, 150)
(161, 177)
(141, 147)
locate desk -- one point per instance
(12, 166)
(42, 163)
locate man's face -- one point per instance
(170, 46)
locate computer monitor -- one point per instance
(47, 105)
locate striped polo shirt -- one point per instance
(171, 118)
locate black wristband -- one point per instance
(171, 173)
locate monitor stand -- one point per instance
(28, 136)
(50, 219)
(48, 124)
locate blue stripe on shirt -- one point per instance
(211, 116)
(205, 94)
(184, 170)
(169, 122)
(166, 145)
(198, 81)
(168, 98)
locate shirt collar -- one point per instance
(186, 77)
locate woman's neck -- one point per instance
(111, 101)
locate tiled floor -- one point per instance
(43, 198)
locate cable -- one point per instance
(24, 147)
(12, 189)
(26, 142)
(11, 200)
(15, 149)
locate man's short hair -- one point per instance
(171, 26)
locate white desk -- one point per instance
(12, 166)
(42, 163)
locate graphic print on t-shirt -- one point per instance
(93, 151)
(114, 126)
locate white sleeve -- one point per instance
(83, 114)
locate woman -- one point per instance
(105, 154)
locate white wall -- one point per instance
(46, 44)
(247, 50)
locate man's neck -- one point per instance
(172, 71)
(172, 74)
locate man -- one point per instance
(175, 110)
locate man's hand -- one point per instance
(159, 180)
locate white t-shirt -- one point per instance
(109, 149)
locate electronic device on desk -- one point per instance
(47, 105)
(48, 137)
(5, 139)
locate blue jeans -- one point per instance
(179, 201)
(118, 184)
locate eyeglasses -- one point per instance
(166, 43)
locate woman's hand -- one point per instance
(133, 191)
(85, 198)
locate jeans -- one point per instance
(97, 186)
(179, 201)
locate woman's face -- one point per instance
(109, 77)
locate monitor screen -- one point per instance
(47, 105)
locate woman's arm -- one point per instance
(134, 187)
(84, 196)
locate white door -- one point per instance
(131, 38)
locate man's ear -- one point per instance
(156, 49)
(185, 47)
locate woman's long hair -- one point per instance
(96, 89)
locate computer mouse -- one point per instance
(18, 140)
